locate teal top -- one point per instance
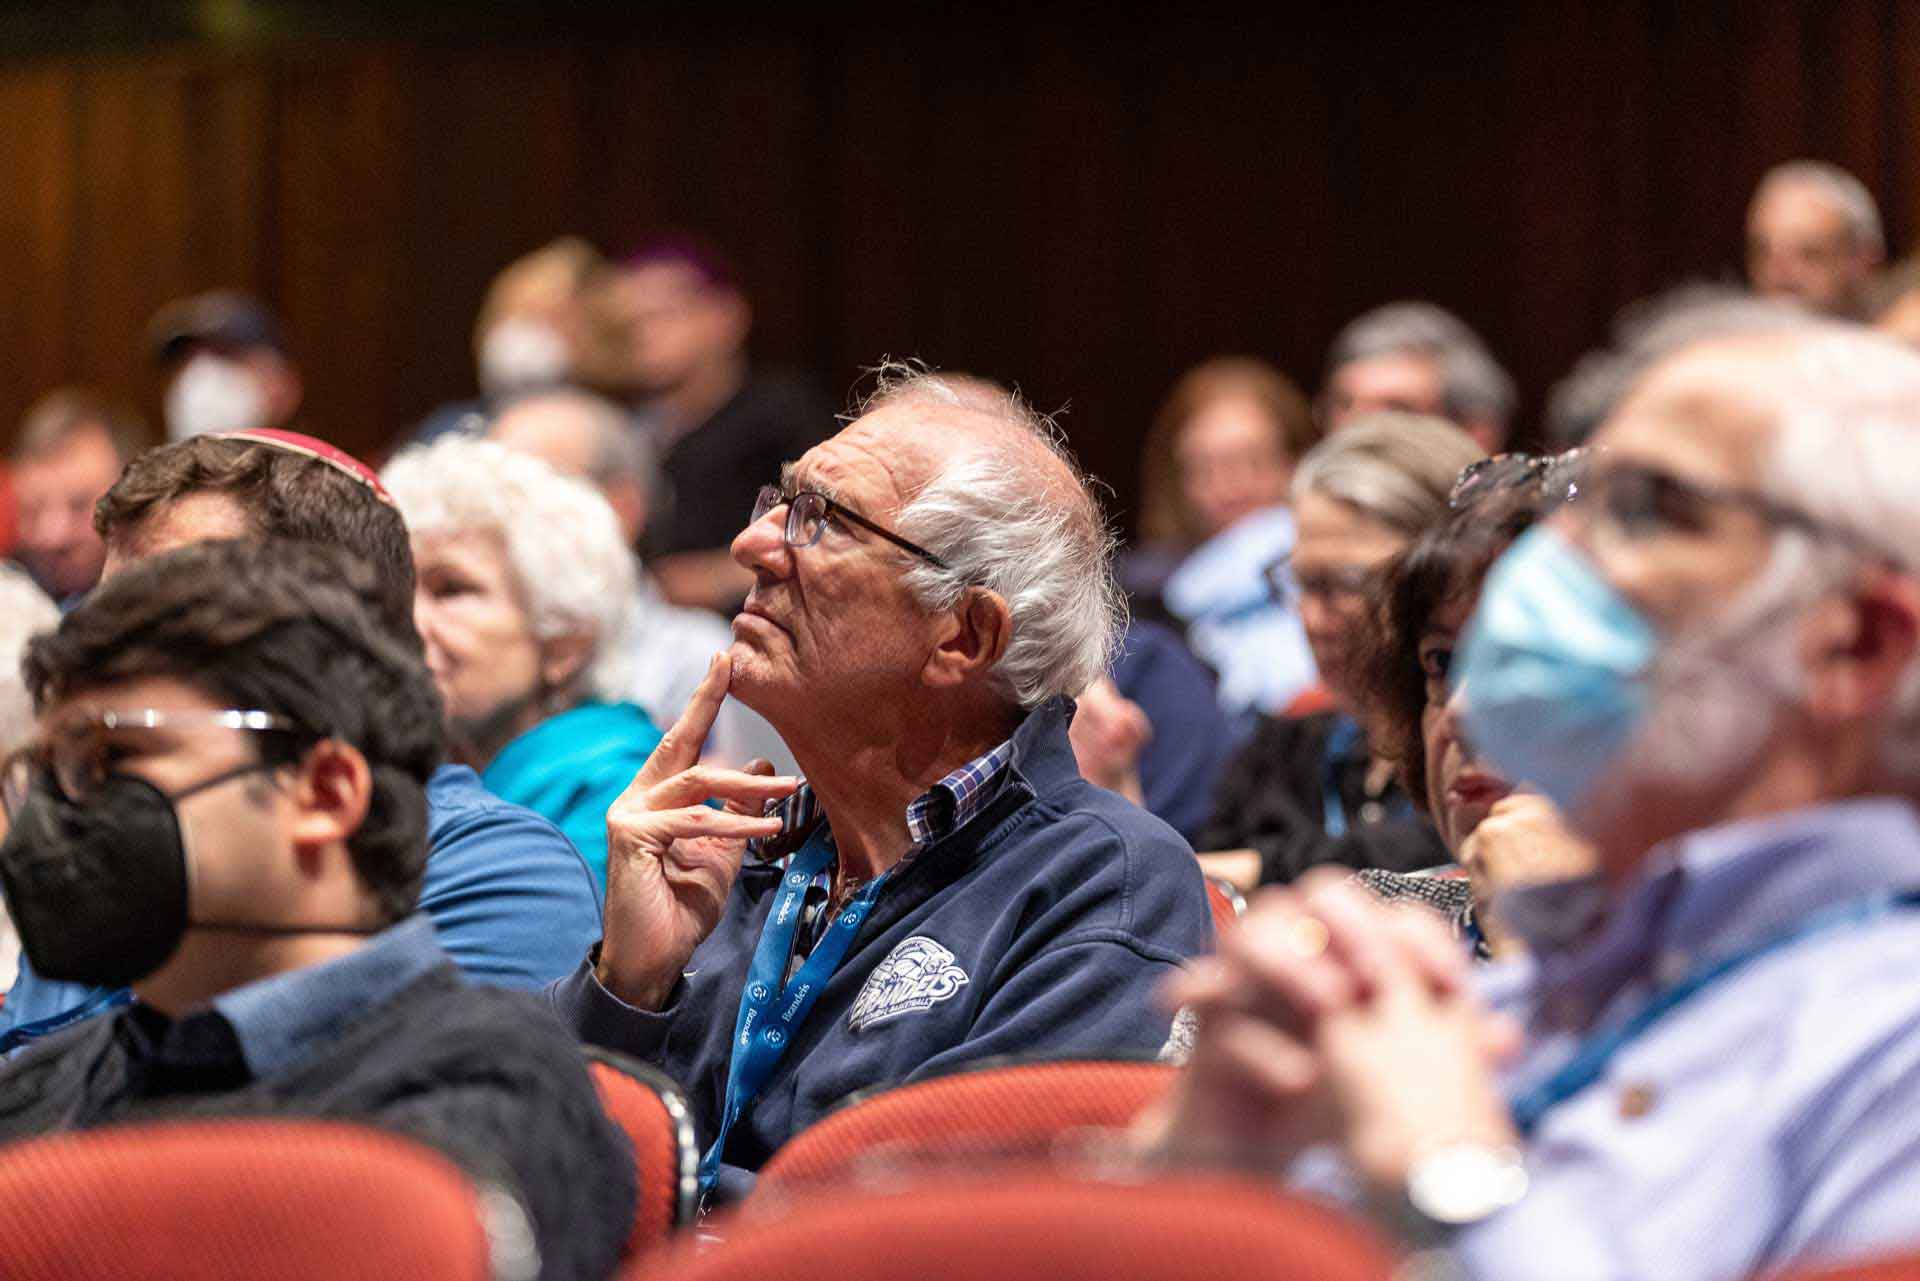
(571, 768)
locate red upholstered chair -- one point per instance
(1897, 1268)
(1227, 903)
(242, 1200)
(1030, 1224)
(992, 1110)
(652, 1110)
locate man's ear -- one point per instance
(973, 636)
(562, 657)
(332, 791)
(1861, 646)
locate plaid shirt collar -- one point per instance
(943, 808)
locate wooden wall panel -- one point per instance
(1081, 207)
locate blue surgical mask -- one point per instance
(1554, 663)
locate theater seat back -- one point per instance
(991, 1111)
(1033, 1224)
(243, 1200)
(652, 1110)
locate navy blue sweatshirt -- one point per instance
(1039, 927)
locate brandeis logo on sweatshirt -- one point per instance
(916, 975)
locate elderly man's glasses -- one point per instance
(1646, 502)
(808, 513)
(82, 751)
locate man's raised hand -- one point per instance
(671, 857)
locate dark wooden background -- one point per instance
(1077, 202)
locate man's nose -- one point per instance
(762, 545)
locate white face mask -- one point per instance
(213, 395)
(521, 353)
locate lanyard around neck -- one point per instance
(771, 1010)
(1590, 1061)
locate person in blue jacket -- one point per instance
(511, 900)
(526, 593)
(931, 586)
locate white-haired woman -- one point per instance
(524, 588)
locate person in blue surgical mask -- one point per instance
(1709, 659)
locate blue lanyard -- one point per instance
(1591, 1059)
(772, 1010)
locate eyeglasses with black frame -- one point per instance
(1559, 477)
(79, 753)
(807, 515)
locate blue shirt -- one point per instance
(512, 902)
(1191, 738)
(280, 1020)
(1772, 1119)
(571, 768)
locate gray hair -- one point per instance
(1647, 332)
(1001, 522)
(1475, 386)
(1847, 193)
(564, 549)
(1846, 450)
(1397, 469)
(621, 446)
(25, 611)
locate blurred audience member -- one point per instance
(1311, 789)
(722, 429)
(1222, 447)
(1216, 468)
(226, 809)
(1108, 733)
(510, 899)
(1501, 838)
(1190, 737)
(25, 611)
(72, 446)
(590, 438)
(1417, 358)
(538, 328)
(226, 365)
(525, 592)
(1708, 662)
(1813, 237)
(956, 891)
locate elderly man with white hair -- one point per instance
(1711, 1067)
(931, 586)
(1814, 237)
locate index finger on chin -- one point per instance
(679, 747)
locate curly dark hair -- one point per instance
(1444, 565)
(288, 628)
(282, 494)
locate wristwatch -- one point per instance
(1451, 1187)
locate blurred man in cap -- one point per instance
(227, 365)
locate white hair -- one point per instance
(569, 563)
(1846, 450)
(1848, 194)
(1474, 385)
(1000, 521)
(25, 612)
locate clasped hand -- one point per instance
(1330, 1017)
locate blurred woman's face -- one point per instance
(1231, 463)
(479, 641)
(1460, 789)
(1335, 553)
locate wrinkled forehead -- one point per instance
(882, 459)
(1707, 412)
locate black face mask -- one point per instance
(99, 891)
